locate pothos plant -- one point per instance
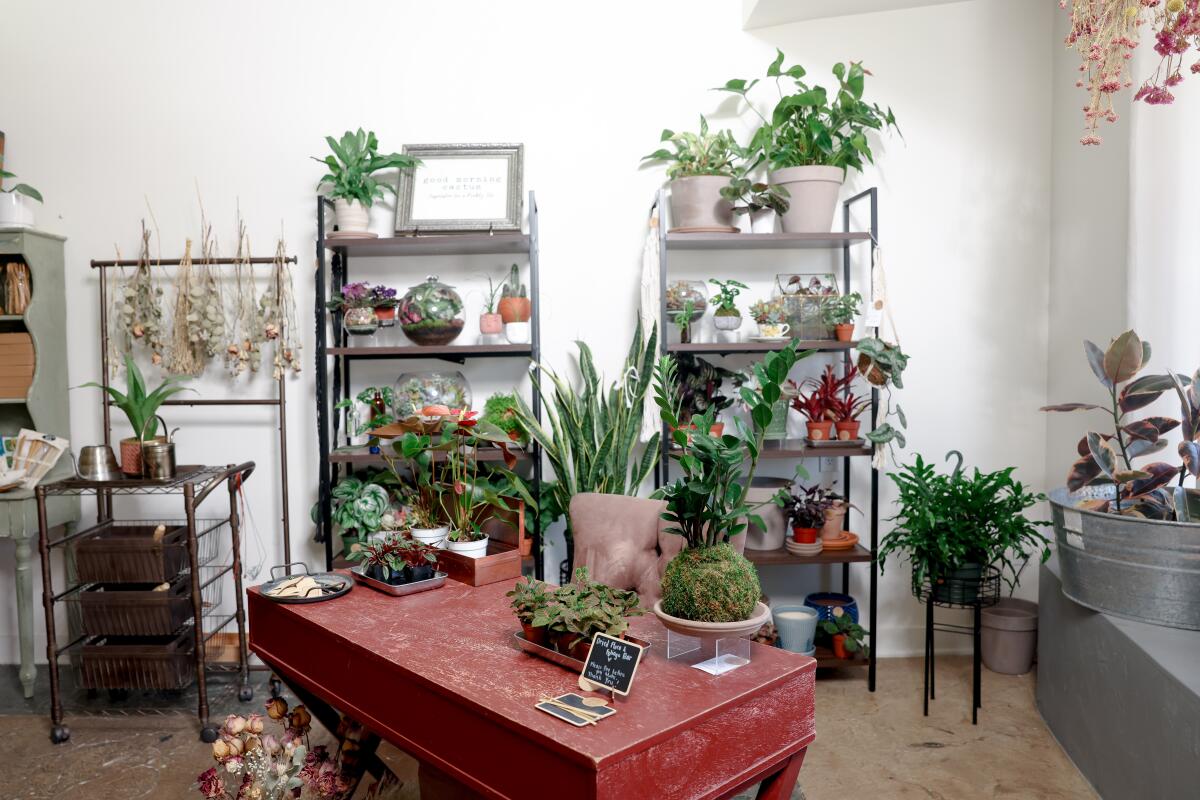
(1108, 458)
(353, 164)
(883, 365)
(696, 154)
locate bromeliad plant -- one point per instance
(141, 407)
(696, 154)
(812, 126)
(353, 164)
(1108, 458)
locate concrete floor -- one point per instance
(868, 746)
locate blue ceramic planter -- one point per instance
(825, 602)
(797, 626)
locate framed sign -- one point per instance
(461, 188)
(612, 663)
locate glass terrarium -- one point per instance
(679, 293)
(804, 296)
(431, 313)
(416, 390)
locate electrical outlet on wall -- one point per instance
(829, 465)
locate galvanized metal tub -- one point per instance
(1139, 569)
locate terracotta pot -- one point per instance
(537, 635)
(847, 430)
(844, 332)
(805, 535)
(696, 202)
(351, 215)
(385, 313)
(820, 431)
(514, 309)
(131, 454)
(839, 646)
(717, 429)
(491, 324)
(814, 194)
(834, 521)
(579, 649)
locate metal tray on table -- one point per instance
(402, 589)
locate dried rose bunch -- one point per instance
(255, 765)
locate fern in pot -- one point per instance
(351, 178)
(710, 590)
(699, 166)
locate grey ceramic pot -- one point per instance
(696, 202)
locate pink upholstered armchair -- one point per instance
(621, 542)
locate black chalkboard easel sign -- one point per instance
(612, 663)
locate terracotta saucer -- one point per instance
(844, 542)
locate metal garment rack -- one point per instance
(789, 449)
(279, 401)
(195, 484)
(343, 354)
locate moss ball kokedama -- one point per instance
(714, 584)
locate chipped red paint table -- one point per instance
(438, 675)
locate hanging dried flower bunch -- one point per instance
(207, 329)
(278, 314)
(246, 334)
(139, 313)
(187, 353)
(1106, 32)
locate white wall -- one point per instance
(106, 106)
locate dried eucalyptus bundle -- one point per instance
(278, 312)
(246, 333)
(207, 320)
(187, 354)
(139, 310)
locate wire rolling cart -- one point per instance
(975, 593)
(129, 553)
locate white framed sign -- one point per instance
(460, 188)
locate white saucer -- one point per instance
(770, 339)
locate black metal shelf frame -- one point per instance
(334, 360)
(844, 240)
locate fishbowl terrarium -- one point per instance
(417, 390)
(804, 296)
(430, 313)
(360, 321)
(680, 292)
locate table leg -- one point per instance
(780, 785)
(25, 613)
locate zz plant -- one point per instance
(353, 164)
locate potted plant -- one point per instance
(763, 202)
(698, 169)
(515, 308)
(700, 384)
(530, 601)
(806, 511)
(420, 493)
(581, 609)
(816, 415)
(501, 410)
(726, 317)
(430, 313)
(357, 304)
(15, 209)
(141, 409)
(396, 560)
(354, 162)
(491, 322)
(383, 300)
(845, 408)
(847, 636)
(839, 313)
(358, 509)
(710, 589)
(771, 318)
(953, 526)
(883, 365)
(812, 137)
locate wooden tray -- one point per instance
(502, 563)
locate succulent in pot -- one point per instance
(514, 305)
(430, 313)
(839, 313)
(763, 202)
(726, 317)
(352, 186)
(698, 168)
(771, 318)
(710, 589)
(811, 138)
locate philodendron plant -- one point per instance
(1108, 458)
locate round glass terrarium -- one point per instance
(431, 313)
(679, 293)
(360, 321)
(416, 390)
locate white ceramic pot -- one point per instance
(759, 497)
(431, 536)
(16, 210)
(696, 202)
(770, 331)
(763, 220)
(727, 323)
(517, 332)
(814, 195)
(352, 216)
(475, 549)
(714, 630)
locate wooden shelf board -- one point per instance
(763, 241)
(826, 660)
(463, 244)
(781, 557)
(359, 455)
(440, 351)
(733, 348)
(798, 448)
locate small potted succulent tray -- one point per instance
(397, 565)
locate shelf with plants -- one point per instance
(771, 558)
(765, 241)
(349, 313)
(737, 348)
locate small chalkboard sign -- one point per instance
(612, 663)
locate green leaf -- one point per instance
(1095, 357)
(28, 191)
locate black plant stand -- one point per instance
(973, 593)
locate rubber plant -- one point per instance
(1108, 458)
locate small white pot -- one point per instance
(352, 216)
(814, 194)
(16, 210)
(517, 332)
(431, 536)
(475, 549)
(763, 220)
(727, 323)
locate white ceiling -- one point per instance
(762, 13)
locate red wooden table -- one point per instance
(438, 675)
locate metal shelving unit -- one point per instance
(793, 448)
(335, 354)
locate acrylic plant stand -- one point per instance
(975, 594)
(715, 656)
(154, 666)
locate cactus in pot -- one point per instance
(514, 305)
